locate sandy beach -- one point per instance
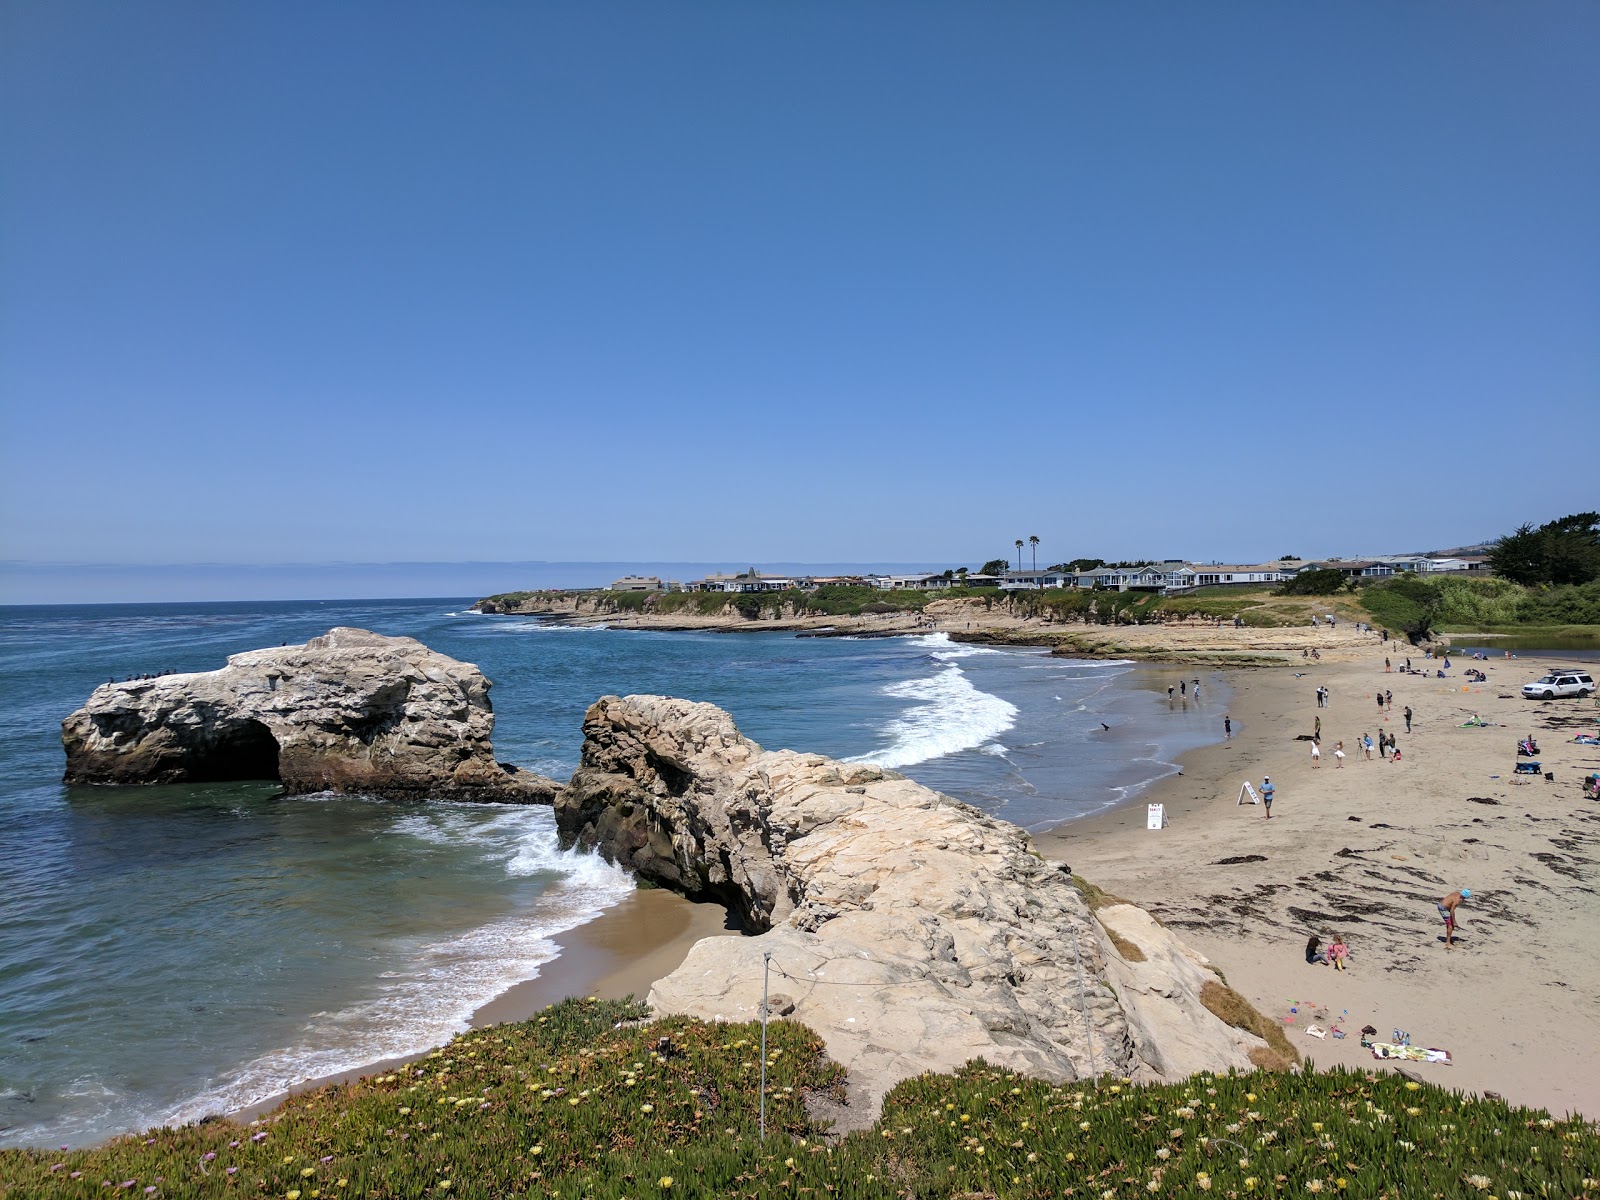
(1365, 851)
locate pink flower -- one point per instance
(233, 1170)
(58, 1166)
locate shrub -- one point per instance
(1322, 582)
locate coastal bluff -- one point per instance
(350, 711)
(911, 931)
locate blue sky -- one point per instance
(743, 282)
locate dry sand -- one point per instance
(1367, 850)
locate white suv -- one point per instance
(1560, 683)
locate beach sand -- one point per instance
(620, 953)
(1366, 851)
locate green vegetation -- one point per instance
(1322, 582)
(1561, 552)
(579, 1103)
(1417, 606)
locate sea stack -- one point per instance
(350, 711)
(911, 931)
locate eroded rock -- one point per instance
(350, 711)
(911, 931)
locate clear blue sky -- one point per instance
(307, 282)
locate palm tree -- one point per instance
(1033, 540)
(1019, 554)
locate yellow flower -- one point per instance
(444, 1185)
(1317, 1125)
(293, 1194)
(647, 1108)
(1412, 1085)
(1250, 1183)
(308, 1172)
(344, 1183)
(1071, 1157)
(537, 1150)
(1250, 1096)
(288, 1158)
(965, 1118)
(665, 1181)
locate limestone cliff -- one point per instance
(350, 711)
(911, 931)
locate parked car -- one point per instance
(1560, 683)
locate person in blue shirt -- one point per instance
(1266, 795)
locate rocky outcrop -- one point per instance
(911, 931)
(350, 711)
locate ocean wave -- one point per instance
(954, 716)
(942, 648)
(430, 997)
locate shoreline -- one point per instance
(619, 953)
(1365, 851)
(628, 947)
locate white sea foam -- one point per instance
(432, 994)
(954, 716)
(945, 650)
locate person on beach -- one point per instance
(1316, 731)
(1338, 755)
(1380, 701)
(1337, 953)
(1394, 749)
(1386, 665)
(1366, 744)
(1316, 753)
(1452, 918)
(1388, 700)
(1169, 693)
(1197, 689)
(1266, 795)
(1315, 955)
(1227, 728)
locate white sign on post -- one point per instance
(1157, 818)
(1247, 794)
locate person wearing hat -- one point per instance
(1447, 909)
(1266, 795)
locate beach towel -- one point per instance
(1427, 1054)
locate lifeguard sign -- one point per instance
(1157, 818)
(1247, 794)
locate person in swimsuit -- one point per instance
(1447, 910)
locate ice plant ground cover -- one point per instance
(586, 1101)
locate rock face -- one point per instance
(911, 931)
(350, 711)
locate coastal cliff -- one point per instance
(350, 711)
(911, 931)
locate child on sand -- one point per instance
(1338, 755)
(1316, 753)
(1315, 955)
(1337, 951)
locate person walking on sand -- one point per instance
(1266, 794)
(1316, 753)
(1316, 731)
(1227, 728)
(1338, 755)
(1452, 918)
(1388, 699)
(1408, 718)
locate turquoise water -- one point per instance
(171, 952)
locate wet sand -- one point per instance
(1366, 850)
(618, 954)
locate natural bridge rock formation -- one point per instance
(350, 711)
(911, 931)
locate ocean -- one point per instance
(170, 952)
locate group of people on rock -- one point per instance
(138, 678)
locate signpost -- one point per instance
(1157, 818)
(1247, 794)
